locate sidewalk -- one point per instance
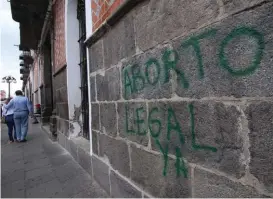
(42, 168)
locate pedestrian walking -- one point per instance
(22, 109)
(8, 115)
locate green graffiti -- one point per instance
(174, 127)
(180, 164)
(170, 60)
(127, 83)
(165, 156)
(170, 64)
(129, 131)
(194, 145)
(138, 79)
(150, 63)
(257, 58)
(140, 121)
(194, 41)
(154, 121)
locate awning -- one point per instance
(30, 14)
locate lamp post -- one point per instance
(8, 79)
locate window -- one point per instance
(83, 66)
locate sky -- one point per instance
(9, 54)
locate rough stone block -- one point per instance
(95, 116)
(53, 128)
(96, 56)
(95, 191)
(85, 160)
(117, 152)
(205, 132)
(58, 125)
(147, 171)
(72, 148)
(62, 110)
(260, 122)
(61, 95)
(101, 173)
(53, 120)
(144, 76)
(129, 126)
(232, 6)
(93, 88)
(209, 185)
(232, 58)
(61, 139)
(95, 141)
(63, 126)
(60, 80)
(162, 20)
(108, 118)
(108, 86)
(120, 188)
(119, 43)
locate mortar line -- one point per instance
(192, 182)
(117, 116)
(186, 99)
(109, 178)
(102, 47)
(231, 178)
(148, 129)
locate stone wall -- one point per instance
(61, 109)
(46, 89)
(181, 96)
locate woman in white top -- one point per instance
(8, 114)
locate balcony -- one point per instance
(30, 14)
(22, 63)
(24, 70)
(24, 54)
(24, 77)
(26, 57)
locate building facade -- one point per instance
(156, 98)
(3, 94)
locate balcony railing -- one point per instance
(24, 70)
(24, 77)
(24, 54)
(22, 63)
(26, 57)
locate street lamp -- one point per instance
(8, 79)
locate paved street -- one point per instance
(42, 168)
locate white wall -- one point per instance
(72, 59)
(32, 82)
(39, 78)
(88, 18)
